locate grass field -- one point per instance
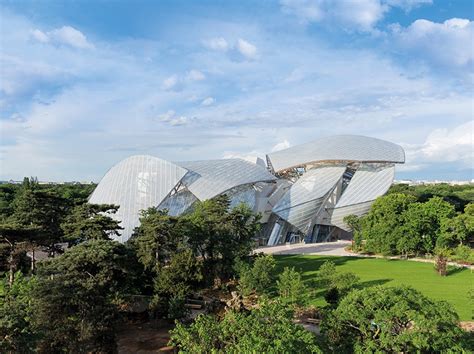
(453, 288)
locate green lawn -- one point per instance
(453, 288)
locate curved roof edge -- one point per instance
(136, 183)
(209, 178)
(348, 148)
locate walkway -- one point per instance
(324, 249)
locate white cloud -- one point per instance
(247, 49)
(167, 116)
(243, 47)
(96, 107)
(447, 43)
(195, 75)
(443, 146)
(218, 43)
(177, 121)
(285, 144)
(350, 14)
(71, 36)
(172, 119)
(40, 36)
(170, 82)
(408, 5)
(451, 145)
(208, 101)
(64, 35)
(305, 10)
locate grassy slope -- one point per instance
(453, 288)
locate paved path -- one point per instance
(324, 248)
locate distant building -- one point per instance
(304, 193)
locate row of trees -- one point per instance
(32, 217)
(399, 224)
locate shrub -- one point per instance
(463, 254)
(258, 277)
(267, 329)
(339, 283)
(392, 319)
(291, 288)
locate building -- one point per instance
(303, 193)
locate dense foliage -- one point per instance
(266, 329)
(182, 254)
(292, 290)
(16, 309)
(77, 295)
(91, 222)
(457, 195)
(399, 223)
(392, 319)
(256, 277)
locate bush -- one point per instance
(291, 288)
(463, 254)
(392, 320)
(339, 283)
(267, 329)
(258, 277)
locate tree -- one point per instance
(77, 295)
(382, 226)
(392, 319)
(291, 288)
(175, 281)
(17, 239)
(267, 329)
(219, 235)
(91, 222)
(354, 223)
(422, 225)
(459, 229)
(156, 238)
(42, 210)
(16, 330)
(7, 196)
(441, 260)
(257, 277)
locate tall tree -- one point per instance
(91, 222)
(77, 296)
(16, 239)
(422, 225)
(219, 235)
(458, 230)
(382, 226)
(156, 239)
(40, 209)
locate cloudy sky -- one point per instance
(84, 84)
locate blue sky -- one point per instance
(84, 84)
